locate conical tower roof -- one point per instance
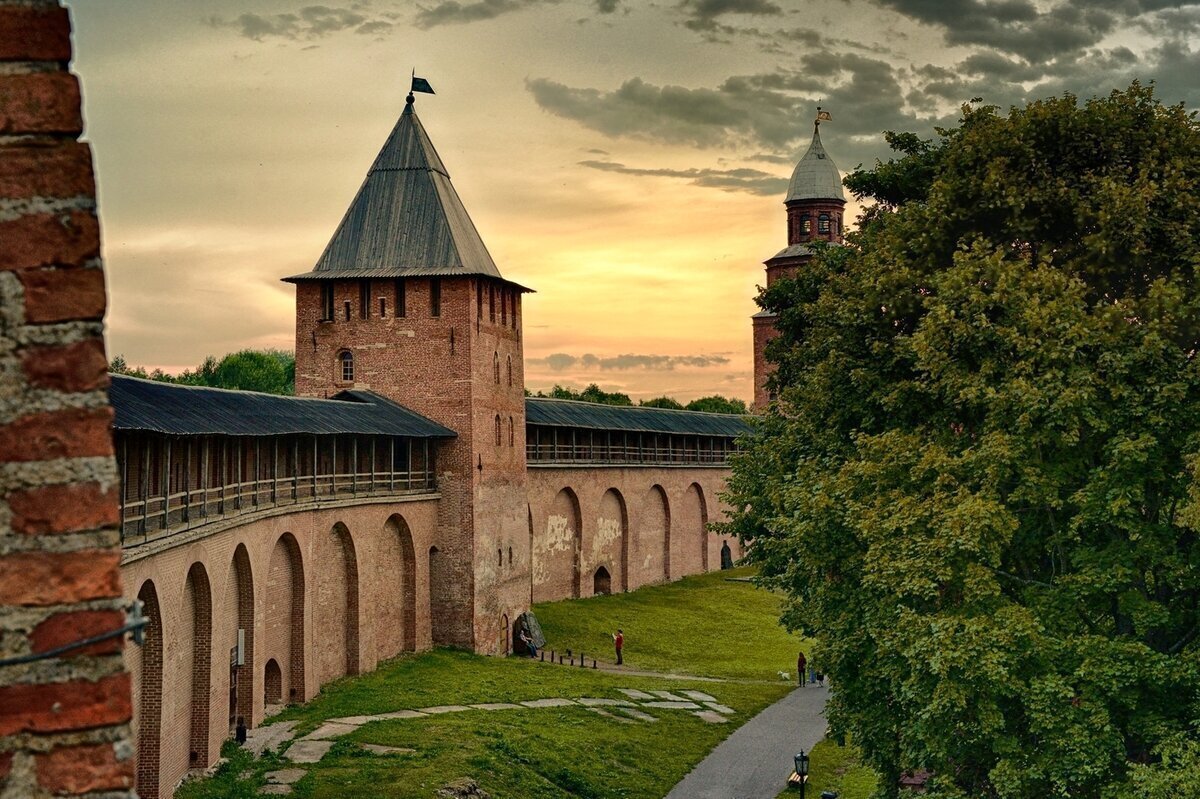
(815, 177)
(406, 219)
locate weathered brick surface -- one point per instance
(81, 366)
(40, 102)
(66, 238)
(73, 705)
(65, 628)
(34, 34)
(60, 170)
(72, 433)
(63, 508)
(63, 295)
(83, 769)
(50, 578)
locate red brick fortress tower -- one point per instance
(406, 301)
(815, 203)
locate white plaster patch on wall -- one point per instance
(559, 537)
(607, 532)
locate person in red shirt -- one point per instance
(619, 643)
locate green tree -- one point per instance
(979, 485)
(270, 371)
(718, 404)
(593, 393)
(662, 402)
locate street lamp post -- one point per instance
(802, 770)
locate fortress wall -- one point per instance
(641, 524)
(329, 591)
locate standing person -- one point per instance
(619, 643)
(801, 665)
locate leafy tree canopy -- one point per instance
(270, 371)
(979, 485)
(662, 402)
(718, 404)
(593, 393)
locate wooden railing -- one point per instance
(598, 454)
(161, 516)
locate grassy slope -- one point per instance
(837, 768)
(553, 753)
(703, 625)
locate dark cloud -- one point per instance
(703, 14)
(310, 22)
(561, 361)
(750, 181)
(452, 12)
(607, 6)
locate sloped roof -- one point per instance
(815, 177)
(406, 219)
(594, 416)
(197, 410)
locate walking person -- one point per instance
(801, 665)
(619, 643)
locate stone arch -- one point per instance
(273, 682)
(601, 582)
(198, 598)
(690, 550)
(239, 598)
(396, 616)
(337, 606)
(441, 599)
(654, 536)
(610, 544)
(285, 617)
(148, 710)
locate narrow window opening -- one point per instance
(511, 434)
(346, 310)
(346, 366)
(823, 223)
(478, 302)
(492, 303)
(510, 370)
(504, 307)
(499, 557)
(326, 302)
(497, 430)
(383, 307)
(496, 367)
(805, 225)
(510, 556)
(364, 299)
(515, 297)
(401, 299)
(435, 297)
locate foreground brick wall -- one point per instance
(63, 721)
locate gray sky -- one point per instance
(626, 160)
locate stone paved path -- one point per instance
(754, 762)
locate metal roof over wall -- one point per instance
(195, 410)
(406, 220)
(594, 416)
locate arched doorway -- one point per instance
(149, 699)
(198, 598)
(273, 683)
(611, 543)
(285, 618)
(601, 582)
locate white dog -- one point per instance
(783, 675)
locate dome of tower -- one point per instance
(815, 177)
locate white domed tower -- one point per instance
(815, 204)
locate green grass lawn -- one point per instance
(703, 625)
(556, 753)
(836, 768)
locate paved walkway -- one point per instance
(754, 762)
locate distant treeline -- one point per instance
(274, 372)
(269, 371)
(593, 393)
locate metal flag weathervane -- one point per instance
(823, 116)
(418, 85)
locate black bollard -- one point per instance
(593, 663)
(543, 656)
(581, 663)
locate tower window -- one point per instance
(364, 299)
(510, 370)
(510, 556)
(346, 366)
(326, 302)
(504, 307)
(511, 434)
(435, 297)
(496, 367)
(492, 303)
(401, 298)
(383, 307)
(806, 225)
(514, 310)
(823, 223)
(497, 430)
(346, 310)
(479, 301)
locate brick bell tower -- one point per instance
(407, 302)
(815, 203)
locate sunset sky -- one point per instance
(627, 160)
